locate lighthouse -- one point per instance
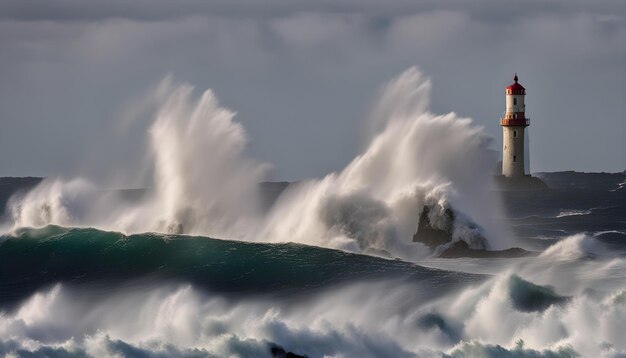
(514, 125)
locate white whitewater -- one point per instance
(205, 184)
(202, 182)
(484, 320)
(416, 158)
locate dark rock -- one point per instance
(438, 239)
(431, 236)
(461, 249)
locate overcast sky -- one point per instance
(302, 75)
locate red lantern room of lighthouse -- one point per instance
(514, 125)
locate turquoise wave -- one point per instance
(33, 258)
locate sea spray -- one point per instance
(53, 201)
(203, 182)
(416, 159)
(575, 247)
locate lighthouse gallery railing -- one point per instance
(515, 121)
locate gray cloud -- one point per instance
(302, 75)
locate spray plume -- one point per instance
(204, 184)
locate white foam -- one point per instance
(620, 186)
(567, 213)
(374, 319)
(407, 165)
(205, 184)
(575, 247)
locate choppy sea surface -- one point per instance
(84, 292)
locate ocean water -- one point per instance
(197, 265)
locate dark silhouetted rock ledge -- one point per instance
(431, 236)
(461, 249)
(441, 242)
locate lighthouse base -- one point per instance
(525, 182)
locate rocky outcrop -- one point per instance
(432, 236)
(440, 238)
(461, 249)
(439, 227)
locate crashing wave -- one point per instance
(204, 183)
(182, 320)
(575, 247)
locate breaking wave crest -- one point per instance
(504, 316)
(204, 184)
(576, 247)
(34, 258)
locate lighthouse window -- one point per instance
(514, 101)
(514, 134)
(515, 158)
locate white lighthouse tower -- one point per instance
(514, 125)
